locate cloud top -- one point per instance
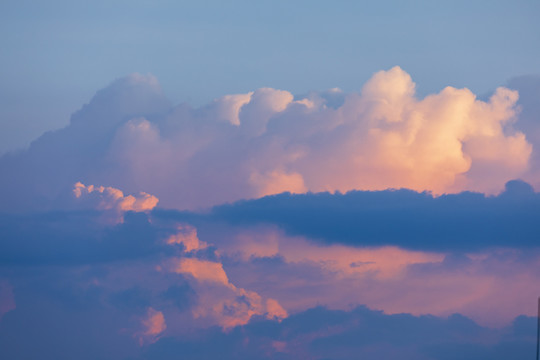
(266, 142)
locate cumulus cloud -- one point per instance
(112, 199)
(219, 300)
(256, 267)
(266, 142)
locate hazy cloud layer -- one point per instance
(266, 142)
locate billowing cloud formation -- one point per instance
(221, 301)
(266, 142)
(111, 198)
(244, 276)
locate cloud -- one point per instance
(109, 198)
(154, 325)
(220, 301)
(79, 237)
(281, 276)
(266, 142)
(529, 120)
(320, 333)
(187, 236)
(300, 274)
(404, 218)
(202, 270)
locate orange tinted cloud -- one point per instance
(154, 324)
(219, 300)
(265, 142)
(492, 287)
(112, 198)
(187, 236)
(202, 270)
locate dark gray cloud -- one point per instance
(78, 237)
(405, 218)
(361, 333)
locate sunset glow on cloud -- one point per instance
(389, 219)
(265, 142)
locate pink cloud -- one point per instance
(153, 326)
(265, 142)
(187, 236)
(109, 198)
(220, 301)
(492, 287)
(202, 270)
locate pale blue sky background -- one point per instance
(56, 54)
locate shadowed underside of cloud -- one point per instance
(320, 333)
(267, 141)
(405, 218)
(77, 237)
(66, 323)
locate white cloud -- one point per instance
(265, 142)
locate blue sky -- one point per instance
(57, 54)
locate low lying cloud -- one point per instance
(220, 301)
(266, 142)
(420, 221)
(320, 333)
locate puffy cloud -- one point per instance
(109, 198)
(219, 300)
(266, 142)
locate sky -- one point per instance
(269, 180)
(57, 54)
